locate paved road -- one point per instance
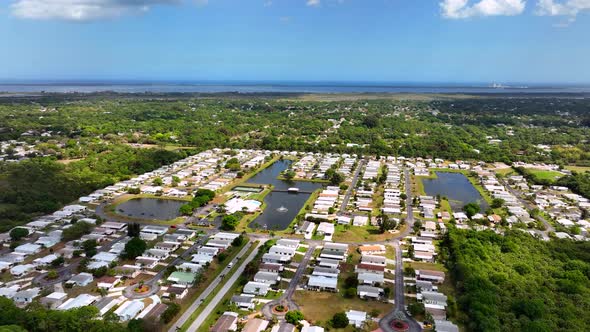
(286, 298)
(351, 187)
(215, 301)
(528, 206)
(400, 311)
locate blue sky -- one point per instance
(528, 41)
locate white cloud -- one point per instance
(313, 3)
(569, 8)
(83, 10)
(458, 9)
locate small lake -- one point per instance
(281, 207)
(456, 187)
(150, 208)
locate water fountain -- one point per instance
(282, 209)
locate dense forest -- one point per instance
(514, 282)
(42, 185)
(447, 128)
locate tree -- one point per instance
(289, 175)
(170, 312)
(133, 229)
(497, 203)
(340, 320)
(238, 241)
(294, 316)
(157, 181)
(135, 247)
(52, 274)
(371, 121)
(58, 261)
(89, 247)
(229, 222)
(76, 231)
(471, 209)
(18, 233)
(386, 224)
(416, 308)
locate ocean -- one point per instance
(282, 87)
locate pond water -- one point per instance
(150, 208)
(456, 187)
(281, 207)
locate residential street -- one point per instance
(217, 298)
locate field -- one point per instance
(321, 306)
(359, 234)
(544, 174)
(579, 169)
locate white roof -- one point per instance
(77, 302)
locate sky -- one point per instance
(528, 41)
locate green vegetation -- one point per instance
(201, 198)
(135, 247)
(18, 233)
(76, 231)
(577, 182)
(42, 185)
(518, 283)
(538, 176)
(294, 316)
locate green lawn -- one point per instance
(579, 169)
(545, 175)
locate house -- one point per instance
(81, 279)
(255, 325)
(307, 229)
(275, 258)
(116, 226)
(283, 327)
(53, 300)
(436, 277)
(81, 300)
(227, 322)
(105, 304)
(20, 270)
(325, 271)
(369, 292)
(243, 302)
(369, 278)
(167, 246)
(24, 297)
(330, 263)
(282, 250)
(312, 329)
(107, 282)
(201, 259)
(373, 260)
(128, 271)
(157, 253)
(179, 292)
(182, 278)
(146, 262)
(104, 257)
(208, 251)
(445, 326)
(356, 318)
(152, 232)
(129, 309)
(270, 267)
(377, 249)
(256, 288)
(321, 283)
(28, 249)
(337, 251)
(42, 261)
(288, 243)
(189, 267)
(270, 278)
(360, 221)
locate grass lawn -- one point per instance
(545, 175)
(321, 306)
(426, 266)
(505, 171)
(579, 169)
(359, 234)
